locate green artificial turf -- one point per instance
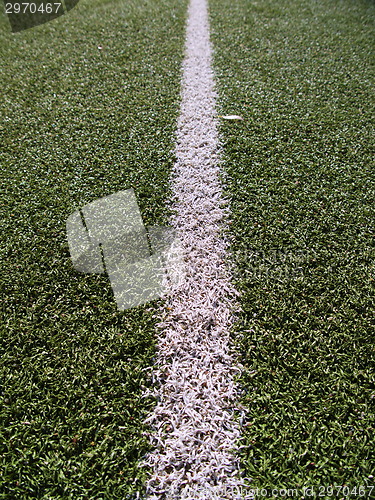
(79, 122)
(299, 171)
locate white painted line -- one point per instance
(195, 433)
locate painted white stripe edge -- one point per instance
(195, 433)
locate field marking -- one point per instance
(194, 430)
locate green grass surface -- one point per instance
(301, 179)
(78, 123)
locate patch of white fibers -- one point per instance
(194, 429)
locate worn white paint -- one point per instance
(194, 429)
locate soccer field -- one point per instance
(88, 107)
